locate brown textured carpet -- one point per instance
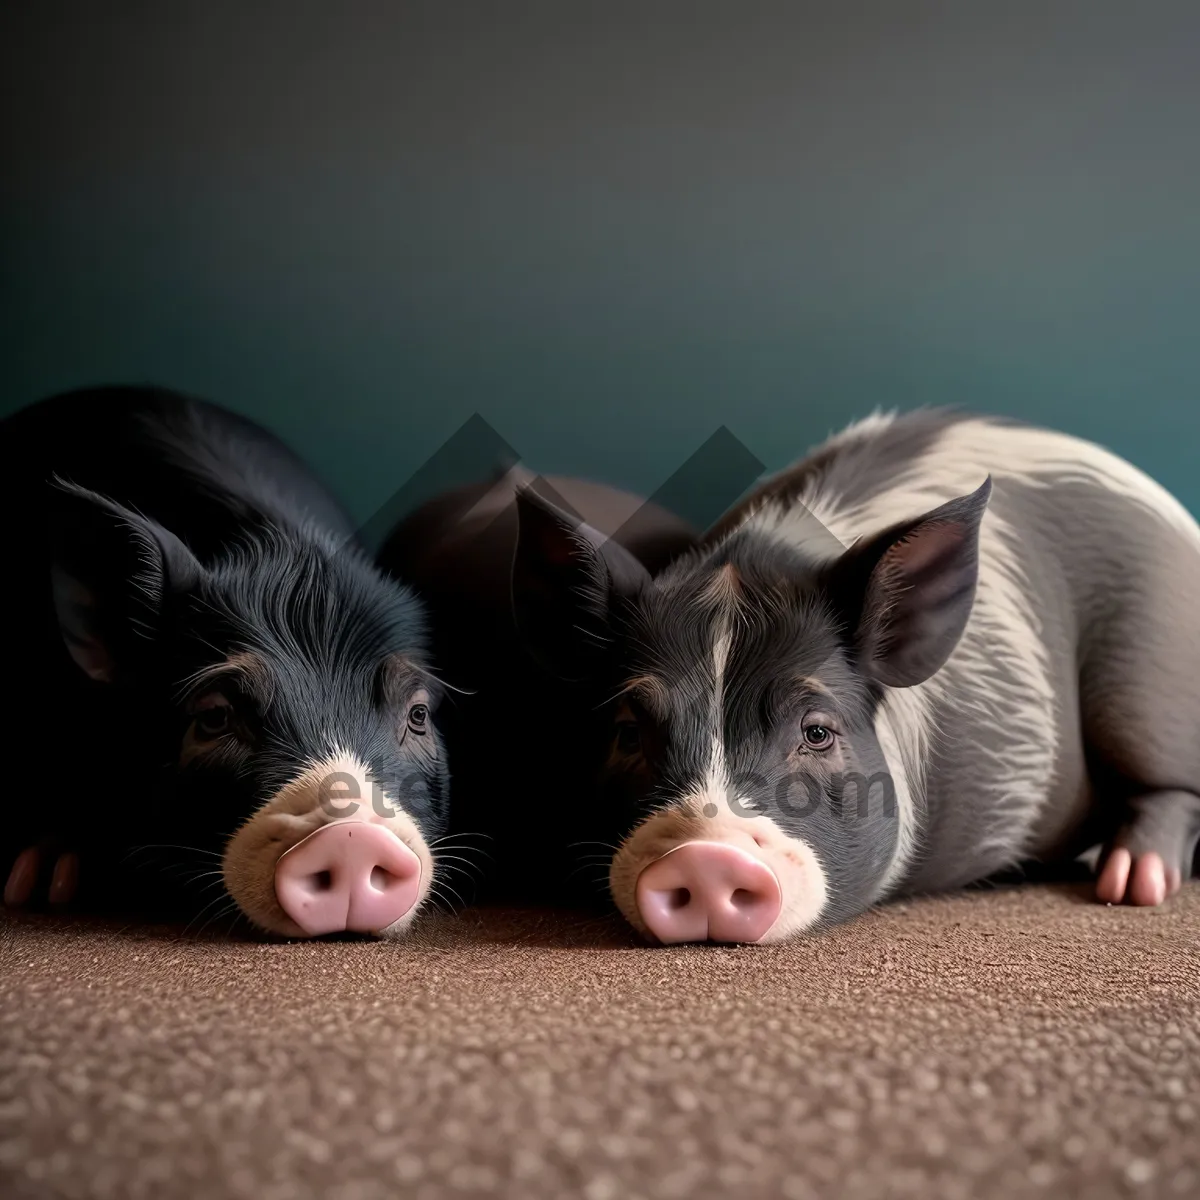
(1005, 1043)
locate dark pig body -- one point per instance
(515, 729)
(214, 683)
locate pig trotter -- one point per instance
(37, 867)
(22, 879)
(1152, 854)
(65, 881)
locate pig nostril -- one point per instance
(348, 876)
(742, 898)
(679, 898)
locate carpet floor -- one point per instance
(1020, 1041)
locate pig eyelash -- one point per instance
(223, 746)
(397, 696)
(434, 680)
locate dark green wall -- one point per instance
(609, 228)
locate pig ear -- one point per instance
(909, 590)
(112, 571)
(565, 577)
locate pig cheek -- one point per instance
(226, 752)
(620, 795)
(248, 867)
(794, 843)
(804, 884)
(421, 790)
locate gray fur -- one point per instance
(1110, 586)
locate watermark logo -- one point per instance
(700, 491)
(850, 796)
(705, 487)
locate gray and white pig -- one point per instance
(939, 646)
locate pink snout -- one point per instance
(708, 891)
(348, 876)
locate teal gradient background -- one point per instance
(609, 228)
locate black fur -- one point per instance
(517, 731)
(191, 535)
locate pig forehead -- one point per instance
(307, 718)
(743, 650)
(270, 666)
(338, 667)
(343, 648)
(312, 700)
(295, 601)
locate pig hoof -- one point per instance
(27, 871)
(64, 883)
(1145, 882)
(1152, 854)
(22, 879)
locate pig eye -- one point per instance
(629, 737)
(214, 720)
(817, 736)
(418, 718)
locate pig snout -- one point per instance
(708, 891)
(348, 876)
(683, 875)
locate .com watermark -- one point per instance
(793, 796)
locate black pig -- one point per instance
(207, 666)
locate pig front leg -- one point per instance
(1139, 697)
(1154, 850)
